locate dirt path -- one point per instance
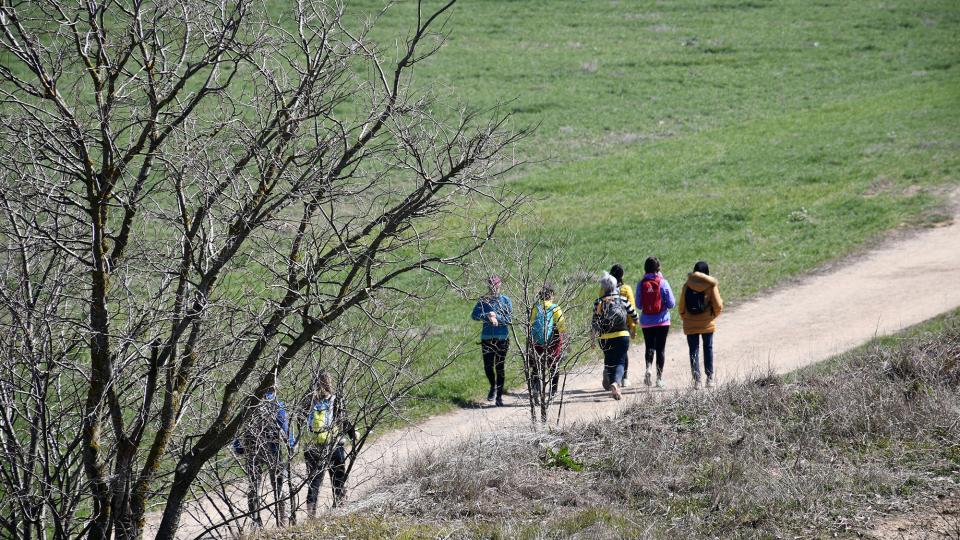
(885, 290)
(890, 288)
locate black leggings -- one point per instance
(265, 457)
(320, 460)
(494, 356)
(655, 340)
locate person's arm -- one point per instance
(559, 320)
(631, 311)
(340, 416)
(667, 294)
(505, 313)
(479, 314)
(628, 292)
(682, 308)
(716, 301)
(284, 422)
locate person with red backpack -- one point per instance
(655, 299)
(700, 305)
(610, 315)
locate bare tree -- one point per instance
(195, 195)
(534, 264)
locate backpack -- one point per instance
(542, 329)
(695, 302)
(320, 422)
(261, 427)
(611, 314)
(650, 300)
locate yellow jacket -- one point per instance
(627, 291)
(558, 319)
(701, 323)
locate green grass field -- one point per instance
(765, 137)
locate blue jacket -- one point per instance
(503, 307)
(283, 422)
(667, 301)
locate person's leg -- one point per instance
(554, 353)
(693, 344)
(254, 478)
(537, 370)
(338, 475)
(276, 471)
(314, 459)
(622, 347)
(649, 337)
(661, 347)
(489, 353)
(500, 362)
(609, 365)
(708, 355)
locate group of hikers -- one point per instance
(266, 441)
(616, 317)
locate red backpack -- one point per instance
(650, 301)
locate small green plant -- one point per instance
(561, 458)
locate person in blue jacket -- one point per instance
(264, 433)
(496, 312)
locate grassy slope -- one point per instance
(824, 454)
(766, 138)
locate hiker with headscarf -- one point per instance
(700, 305)
(262, 440)
(609, 325)
(495, 310)
(325, 433)
(548, 330)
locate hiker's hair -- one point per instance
(608, 283)
(322, 386)
(546, 292)
(493, 284)
(617, 272)
(651, 265)
(702, 267)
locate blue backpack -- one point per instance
(542, 329)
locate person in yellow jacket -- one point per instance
(700, 305)
(627, 291)
(548, 331)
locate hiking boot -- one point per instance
(625, 383)
(491, 394)
(660, 382)
(615, 391)
(710, 383)
(499, 401)
(696, 384)
(648, 379)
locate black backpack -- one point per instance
(696, 302)
(611, 314)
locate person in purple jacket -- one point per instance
(655, 300)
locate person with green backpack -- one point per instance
(548, 330)
(700, 305)
(327, 425)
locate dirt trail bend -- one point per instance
(899, 284)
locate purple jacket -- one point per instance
(666, 300)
